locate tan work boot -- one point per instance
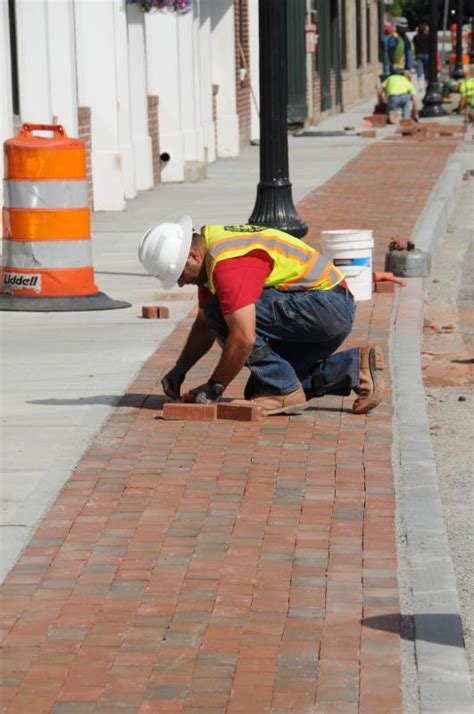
(392, 117)
(370, 383)
(276, 403)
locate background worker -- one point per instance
(421, 44)
(399, 93)
(274, 304)
(466, 95)
(388, 30)
(400, 48)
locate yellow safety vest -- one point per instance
(296, 266)
(466, 89)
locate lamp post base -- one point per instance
(458, 72)
(274, 209)
(433, 103)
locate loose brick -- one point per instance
(368, 134)
(239, 412)
(150, 312)
(189, 412)
(384, 286)
(154, 312)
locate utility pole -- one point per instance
(433, 101)
(274, 203)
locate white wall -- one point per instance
(138, 99)
(162, 72)
(124, 119)
(223, 74)
(97, 89)
(254, 70)
(33, 61)
(205, 81)
(6, 112)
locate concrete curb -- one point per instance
(428, 585)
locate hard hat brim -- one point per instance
(170, 280)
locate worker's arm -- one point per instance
(238, 344)
(199, 342)
(236, 350)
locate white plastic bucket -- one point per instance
(351, 251)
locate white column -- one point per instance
(62, 67)
(223, 73)
(33, 61)
(207, 121)
(139, 98)
(163, 80)
(188, 74)
(254, 70)
(6, 109)
(127, 155)
(97, 89)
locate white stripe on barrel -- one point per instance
(46, 194)
(47, 254)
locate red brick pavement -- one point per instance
(227, 566)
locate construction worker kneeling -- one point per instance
(274, 304)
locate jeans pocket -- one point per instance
(313, 316)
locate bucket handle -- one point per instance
(57, 129)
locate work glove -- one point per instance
(173, 380)
(205, 394)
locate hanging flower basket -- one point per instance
(180, 7)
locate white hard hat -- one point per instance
(164, 250)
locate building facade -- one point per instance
(157, 96)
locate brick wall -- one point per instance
(154, 132)
(241, 16)
(84, 133)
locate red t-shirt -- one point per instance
(238, 281)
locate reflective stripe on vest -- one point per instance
(296, 266)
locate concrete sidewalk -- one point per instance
(224, 567)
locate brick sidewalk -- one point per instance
(203, 568)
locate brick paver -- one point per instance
(237, 567)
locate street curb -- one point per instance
(428, 586)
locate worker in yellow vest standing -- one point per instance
(401, 53)
(274, 304)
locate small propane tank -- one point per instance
(406, 261)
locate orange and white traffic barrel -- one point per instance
(47, 255)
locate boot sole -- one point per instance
(290, 409)
(376, 364)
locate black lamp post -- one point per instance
(458, 71)
(274, 203)
(433, 101)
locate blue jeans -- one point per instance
(296, 335)
(422, 61)
(400, 101)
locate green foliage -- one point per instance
(398, 7)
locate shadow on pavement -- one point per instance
(133, 399)
(437, 627)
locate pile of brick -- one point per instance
(421, 132)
